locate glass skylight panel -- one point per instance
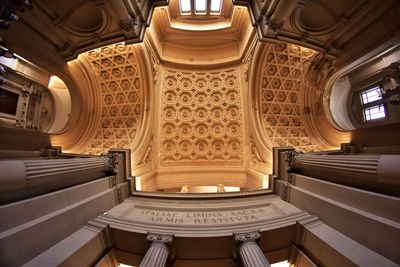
(185, 6)
(371, 95)
(200, 6)
(373, 113)
(215, 6)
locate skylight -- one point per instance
(371, 95)
(373, 113)
(216, 6)
(200, 7)
(185, 6)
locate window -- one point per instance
(216, 6)
(376, 112)
(372, 103)
(185, 6)
(371, 95)
(8, 102)
(200, 7)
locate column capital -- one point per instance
(112, 160)
(249, 251)
(157, 254)
(165, 239)
(247, 237)
(291, 159)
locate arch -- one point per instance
(339, 89)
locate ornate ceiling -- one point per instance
(119, 71)
(201, 118)
(198, 129)
(75, 26)
(193, 40)
(331, 27)
(200, 101)
(282, 77)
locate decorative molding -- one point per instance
(247, 237)
(178, 195)
(329, 27)
(148, 156)
(255, 154)
(291, 159)
(112, 162)
(76, 27)
(165, 239)
(217, 217)
(249, 251)
(157, 254)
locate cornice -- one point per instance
(195, 196)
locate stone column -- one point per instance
(157, 254)
(250, 252)
(372, 172)
(20, 179)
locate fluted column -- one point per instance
(250, 252)
(373, 172)
(157, 254)
(25, 178)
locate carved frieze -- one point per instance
(204, 217)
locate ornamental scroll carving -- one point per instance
(247, 237)
(255, 154)
(119, 73)
(201, 117)
(159, 239)
(281, 78)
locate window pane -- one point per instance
(8, 102)
(216, 6)
(185, 6)
(371, 95)
(200, 6)
(373, 113)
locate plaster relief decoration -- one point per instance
(77, 26)
(118, 70)
(201, 120)
(281, 78)
(332, 27)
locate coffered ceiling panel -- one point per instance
(282, 77)
(201, 118)
(119, 71)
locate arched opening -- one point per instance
(62, 104)
(32, 99)
(363, 93)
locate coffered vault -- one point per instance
(190, 106)
(191, 123)
(170, 99)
